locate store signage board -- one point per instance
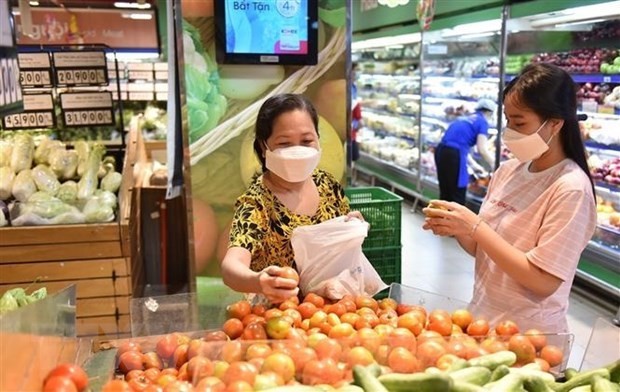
(35, 70)
(38, 113)
(80, 68)
(115, 28)
(10, 90)
(84, 109)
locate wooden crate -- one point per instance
(97, 258)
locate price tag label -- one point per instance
(140, 96)
(10, 90)
(80, 68)
(38, 113)
(140, 75)
(79, 118)
(140, 67)
(71, 101)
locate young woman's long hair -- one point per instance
(550, 92)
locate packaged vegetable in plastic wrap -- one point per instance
(21, 155)
(6, 182)
(89, 181)
(24, 186)
(112, 181)
(5, 152)
(68, 192)
(83, 150)
(45, 179)
(45, 149)
(96, 211)
(64, 163)
(106, 197)
(46, 206)
(8, 302)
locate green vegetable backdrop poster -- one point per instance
(222, 104)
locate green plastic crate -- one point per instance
(382, 209)
(387, 262)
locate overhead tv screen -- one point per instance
(266, 31)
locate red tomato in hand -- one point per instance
(73, 372)
(59, 384)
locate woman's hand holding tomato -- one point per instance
(447, 218)
(278, 283)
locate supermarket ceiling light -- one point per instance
(137, 16)
(487, 26)
(127, 4)
(387, 41)
(584, 14)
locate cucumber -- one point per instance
(614, 371)
(492, 361)
(458, 365)
(570, 373)
(499, 372)
(418, 382)
(581, 379)
(510, 383)
(477, 375)
(350, 388)
(583, 388)
(374, 369)
(600, 384)
(363, 377)
(458, 386)
(433, 370)
(536, 384)
(530, 374)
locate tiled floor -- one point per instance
(440, 266)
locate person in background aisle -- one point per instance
(291, 192)
(452, 153)
(356, 115)
(539, 212)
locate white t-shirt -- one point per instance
(550, 215)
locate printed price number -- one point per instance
(88, 117)
(29, 120)
(83, 76)
(34, 78)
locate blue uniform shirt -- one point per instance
(462, 134)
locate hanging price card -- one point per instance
(84, 109)
(80, 68)
(38, 113)
(35, 70)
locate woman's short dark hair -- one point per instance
(550, 92)
(269, 112)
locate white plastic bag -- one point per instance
(330, 260)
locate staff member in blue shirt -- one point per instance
(452, 153)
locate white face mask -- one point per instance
(526, 147)
(293, 164)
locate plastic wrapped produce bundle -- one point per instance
(64, 163)
(45, 179)
(89, 181)
(24, 186)
(21, 155)
(44, 150)
(6, 182)
(46, 206)
(83, 150)
(5, 152)
(112, 181)
(107, 198)
(96, 211)
(68, 192)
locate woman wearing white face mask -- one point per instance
(291, 192)
(539, 212)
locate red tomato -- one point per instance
(75, 373)
(59, 384)
(128, 346)
(116, 386)
(130, 360)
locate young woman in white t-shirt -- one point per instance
(539, 212)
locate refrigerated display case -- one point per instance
(584, 41)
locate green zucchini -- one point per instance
(581, 379)
(614, 371)
(492, 361)
(458, 365)
(510, 383)
(600, 384)
(363, 377)
(570, 373)
(418, 382)
(458, 386)
(583, 388)
(374, 369)
(499, 372)
(536, 384)
(477, 375)
(530, 374)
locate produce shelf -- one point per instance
(586, 78)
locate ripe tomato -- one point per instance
(288, 273)
(281, 364)
(521, 345)
(365, 301)
(273, 312)
(479, 327)
(138, 384)
(239, 309)
(232, 351)
(538, 339)
(349, 304)
(239, 386)
(199, 368)
(180, 356)
(240, 371)
(328, 348)
(257, 350)
(318, 372)
(388, 303)
(59, 384)
(74, 372)
(133, 374)
(306, 310)
(402, 337)
(116, 386)
(210, 384)
(130, 360)
(446, 361)
(507, 328)
(315, 299)
(301, 357)
(152, 360)
(166, 345)
(128, 346)
(287, 304)
(462, 318)
(359, 356)
(552, 354)
(382, 354)
(216, 336)
(544, 365)
(259, 310)
(152, 374)
(441, 323)
(254, 331)
(410, 321)
(233, 328)
(401, 360)
(429, 352)
(425, 336)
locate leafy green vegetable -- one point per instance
(22, 153)
(6, 182)
(96, 211)
(112, 181)
(23, 185)
(8, 303)
(64, 163)
(39, 294)
(68, 192)
(89, 181)
(45, 179)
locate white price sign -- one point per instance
(35, 78)
(140, 96)
(95, 59)
(74, 101)
(77, 118)
(81, 76)
(140, 75)
(29, 120)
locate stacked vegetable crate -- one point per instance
(382, 210)
(95, 257)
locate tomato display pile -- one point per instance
(352, 345)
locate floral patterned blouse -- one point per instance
(263, 225)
